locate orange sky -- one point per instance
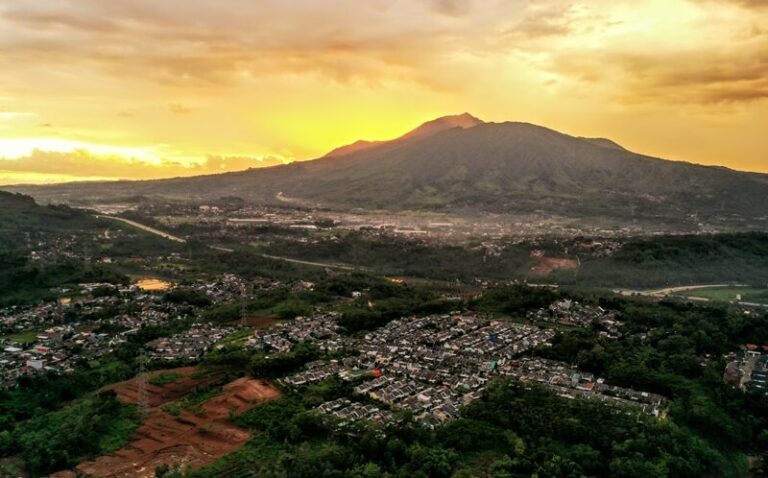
(147, 88)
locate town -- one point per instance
(431, 366)
(58, 337)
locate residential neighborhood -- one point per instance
(747, 369)
(433, 365)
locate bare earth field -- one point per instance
(189, 439)
(545, 265)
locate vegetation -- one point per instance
(515, 430)
(47, 392)
(730, 294)
(675, 349)
(398, 256)
(164, 378)
(639, 263)
(678, 260)
(192, 401)
(57, 440)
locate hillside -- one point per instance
(461, 164)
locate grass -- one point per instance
(24, 338)
(192, 402)
(164, 378)
(728, 294)
(12, 466)
(238, 338)
(121, 430)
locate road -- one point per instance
(651, 293)
(315, 264)
(674, 290)
(171, 237)
(151, 230)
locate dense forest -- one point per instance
(89, 427)
(638, 263)
(679, 260)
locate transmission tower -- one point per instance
(242, 305)
(142, 400)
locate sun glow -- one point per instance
(160, 91)
(16, 148)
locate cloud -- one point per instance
(756, 4)
(694, 77)
(631, 59)
(276, 75)
(453, 8)
(15, 115)
(179, 109)
(424, 42)
(206, 44)
(82, 163)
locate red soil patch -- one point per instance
(189, 440)
(128, 391)
(545, 265)
(258, 322)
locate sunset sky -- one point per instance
(151, 88)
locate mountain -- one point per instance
(459, 163)
(429, 128)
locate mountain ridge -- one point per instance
(508, 167)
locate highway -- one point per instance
(315, 264)
(151, 230)
(171, 237)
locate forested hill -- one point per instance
(42, 247)
(10, 201)
(20, 216)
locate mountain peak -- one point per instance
(464, 121)
(429, 128)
